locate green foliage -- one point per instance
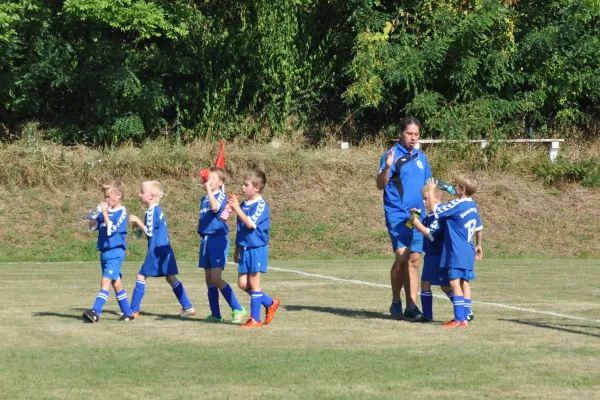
(469, 69)
(585, 171)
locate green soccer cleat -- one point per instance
(211, 318)
(470, 317)
(237, 317)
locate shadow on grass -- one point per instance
(78, 315)
(556, 327)
(344, 312)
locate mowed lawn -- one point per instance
(329, 339)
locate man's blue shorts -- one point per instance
(432, 272)
(458, 273)
(416, 245)
(253, 259)
(400, 234)
(213, 251)
(111, 262)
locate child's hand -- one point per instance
(234, 203)
(413, 210)
(208, 183)
(104, 206)
(432, 183)
(478, 253)
(135, 220)
(389, 158)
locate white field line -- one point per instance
(499, 305)
(357, 282)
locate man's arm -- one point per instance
(384, 176)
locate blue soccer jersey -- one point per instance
(258, 212)
(112, 233)
(209, 222)
(155, 227)
(434, 242)
(408, 175)
(462, 221)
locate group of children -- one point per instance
(251, 251)
(450, 253)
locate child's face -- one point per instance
(426, 197)
(146, 195)
(249, 190)
(215, 181)
(113, 198)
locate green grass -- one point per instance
(330, 339)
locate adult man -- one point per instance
(403, 171)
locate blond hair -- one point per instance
(155, 188)
(257, 178)
(437, 192)
(220, 172)
(469, 183)
(114, 186)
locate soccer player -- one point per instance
(214, 247)
(160, 259)
(111, 225)
(251, 247)
(432, 274)
(403, 172)
(458, 254)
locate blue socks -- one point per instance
(229, 297)
(255, 303)
(459, 308)
(266, 300)
(450, 295)
(100, 301)
(213, 300)
(467, 308)
(427, 303)
(123, 303)
(179, 291)
(138, 294)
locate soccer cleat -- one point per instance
(190, 312)
(237, 317)
(413, 314)
(456, 324)
(470, 317)
(126, 318)
(136, 315)
(252, 323)
(271, 311)
(91, 316)
(396, 310)
(426, 320)
(211, 318)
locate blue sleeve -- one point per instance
(261, 212)
(118, 223)
(221, 198)
(447, 210)
(264, 220)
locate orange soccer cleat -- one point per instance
(271, 311)
(136, 315)
(252, 323)
(456, 324)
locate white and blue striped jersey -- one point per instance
(112, 233)
(209, 222)
(462, 221)
(258, 212)
(155, 228)
(434, 242)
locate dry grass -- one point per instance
(324, 201)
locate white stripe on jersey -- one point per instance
(260, 208)
(110, 229)
(149, 218)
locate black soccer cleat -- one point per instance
(126, 318)
(91, 316)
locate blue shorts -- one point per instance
(432, 272)
(458, 273)
(253, 259)
(400, 234)
(213, 252)
(159, 261)
(416, 245)
(111, 261)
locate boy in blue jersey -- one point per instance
(403, 172)
(432, 274)
(160, 259)
(215, 246)
(111, 225)
(461, 217)
(251, 251)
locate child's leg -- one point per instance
(102, 296)
(138, 293)
(243, 283)
(256, 295)
(179, 291)
(122, 297)
(449, 292)
(213, 293)
(458, 301)
(225, 289)
(466, 287)
(427, 299)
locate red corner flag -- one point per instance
(220, 162)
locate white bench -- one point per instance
(553, 153)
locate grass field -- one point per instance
(330, 338)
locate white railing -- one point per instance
(553, 151)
